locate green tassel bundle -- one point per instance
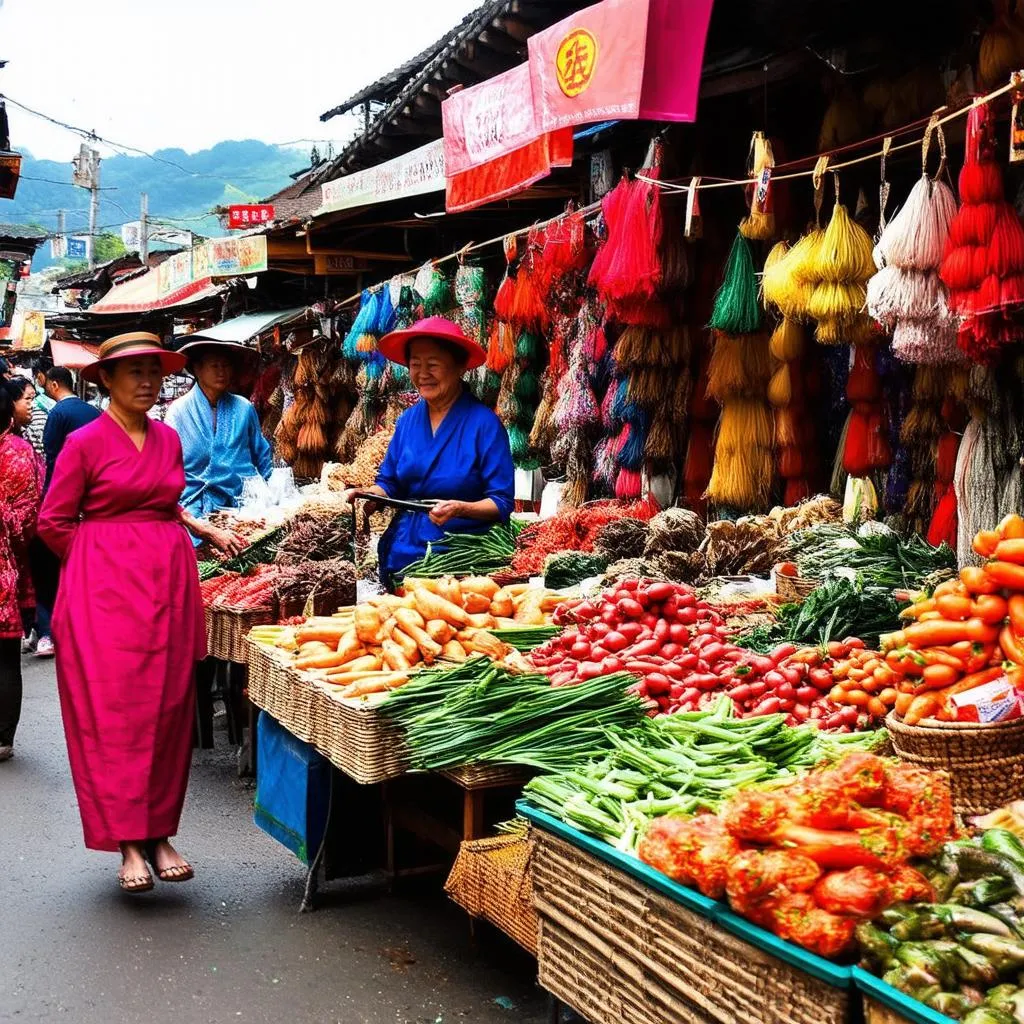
(737, 310)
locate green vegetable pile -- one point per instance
(878, 555)
(838, 608)
(526, 638)
(679, 764)
(963, 956)
(479, 712)
(468, 554)
(260, 552)
(568, 568)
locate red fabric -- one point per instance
(128, 627)
(943, 526)
(21, 487)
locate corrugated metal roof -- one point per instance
(241, 329)
(21, 233)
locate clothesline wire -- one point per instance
(673, 187)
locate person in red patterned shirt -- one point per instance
(21, 487)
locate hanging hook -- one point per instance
(818, 179)
(926, 142)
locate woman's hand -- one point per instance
(445, 510)
(226, 542)
(349, 497)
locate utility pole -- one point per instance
(144, 227)
(94, 205)
(60, 224)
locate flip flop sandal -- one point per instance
(178, 873)
(136, 884)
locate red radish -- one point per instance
(627, 607)
(786, 692)
(660, 591)
(807, 694)
(782, 652)
(614, 641)
(769, 706)
(580, 650)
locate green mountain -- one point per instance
(183, 188)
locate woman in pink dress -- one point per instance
(129, 618)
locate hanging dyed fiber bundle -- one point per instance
(736, 307)
(907, 295)
(760, 225)
(360, 325)
(866, 447)
(983, 264)
(841, 267)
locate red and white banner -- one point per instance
(620, 60)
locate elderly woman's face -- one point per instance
(434, 371)
(214, 371)
(134, 382)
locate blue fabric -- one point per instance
(216, 462)
(468, 459)
(65, 418)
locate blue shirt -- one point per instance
(217, 460)
(65, 418)
(467, 459)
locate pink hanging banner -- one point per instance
(620, 59)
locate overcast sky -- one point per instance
(189, 73)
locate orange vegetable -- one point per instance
(974, 679)
(394, 656)
(985, 543)
(858, 698)
(955, 606)
(930, 616)
(947, 588)
(1006, 574)
(977, 581)
(922, 707)
(918, 608)
(883, 675)
(1015, 607)
(375, 684)
(1011, 551)
(1011, 527)
(479, 585)
(432, 606)
(942, 632)
(501, 604)
(938, 676)
(876, 708)
(990, 608)
(1012, 647)
(889, 696)
(902, 703)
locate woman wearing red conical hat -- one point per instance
(447, 447)
(129, 618)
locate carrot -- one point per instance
(483, 621)
(368, 623)
(475, 604)
(942, 632)
(501, 604)
(889, 696)
(955, 607)
(366, 663)
(876, 708)
(1011, 527)
(1015, 607)
(407, 644)
(938, 676)
(331, 660)
(454, 651)
(918, 608)
(409, 618)
(949, 588)
(858, 698)
(394, 656)
(432, 606)
(977, 581)
(985, 543)
(482, 585)
(448, 589)
(324, 634)
(883, 675)
(377, 684)
(1011, 551)
(902, 703)
(1006, 574)
(974, 679)
(428, 647)
(439, 631)
(921, 707)
(1012, 647)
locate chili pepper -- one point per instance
(1012, 648)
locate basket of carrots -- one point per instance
(968, 634)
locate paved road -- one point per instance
(228, 947)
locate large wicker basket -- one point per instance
(618, 952)
(491, 879)
(985, 762)
(228, 628)
(792, 589)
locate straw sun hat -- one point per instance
(135, 343)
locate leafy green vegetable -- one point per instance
(567, 568)
(468, 554)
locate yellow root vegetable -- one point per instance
(432, 606)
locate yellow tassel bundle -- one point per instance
(790, 275)
(760, 225)
(787, 341)
(780, 388)
(743, 471)
(740, 365)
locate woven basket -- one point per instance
(618, 952)
(492, 879)
(488, 776)
(230, 628)
(792, 589)
(985, 762)
(269, 683)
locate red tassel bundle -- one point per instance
(867, 444)
(983, 265)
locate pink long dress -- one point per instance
(128, 628)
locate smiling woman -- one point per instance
(448, 447)
(128, 622)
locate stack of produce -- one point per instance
(249, 592)
(468, 554)
(738, 375)
(331, 581)
(876, 553)
(572, 530)
(480, 712)
(680, 765)
(963, 954)
(301, 436)
(811, 859)
(382, 641)
(968, 633)
(316, 533)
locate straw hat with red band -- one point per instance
(395, 346)
(126, 346)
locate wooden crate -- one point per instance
(618, 952)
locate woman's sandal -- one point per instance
(136, 883)
(177, 873)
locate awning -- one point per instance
(143, 295)
(241, 329)
(72, 354)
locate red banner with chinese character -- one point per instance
(620, 59)
(248, 215)
(492, 145)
